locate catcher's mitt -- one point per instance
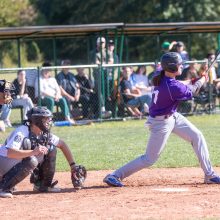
(5, 92)
(78, 175)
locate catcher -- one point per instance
(31, 148)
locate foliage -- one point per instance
(130, 11)
(14, 13)
(70, 12)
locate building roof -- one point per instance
(126, 28)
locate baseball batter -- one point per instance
(164, 120)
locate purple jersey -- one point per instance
(167, 95)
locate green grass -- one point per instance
(109, 145)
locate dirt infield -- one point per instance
(149, 194)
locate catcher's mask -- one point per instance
(6, 89)
(41, 117)
(170, 62)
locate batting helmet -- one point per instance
(170, 62)
(36, 116)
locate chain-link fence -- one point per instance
(93, 93)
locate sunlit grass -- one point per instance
(109, 145)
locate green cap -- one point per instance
(165, 45)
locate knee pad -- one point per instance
(30, 163)
(47, 168)
(17, 173)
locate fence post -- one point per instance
(38, 85)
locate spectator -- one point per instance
(31, 76)
(132, 96)
(212, 72)
(68, 84)
(167, 46)
(99, 57)
(21, 97)
(112, 56)
(87, 94)
(180, 48)
(50, 93)
(190, 72)
(5, 112)
(139, 80)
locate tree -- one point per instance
(55, 12)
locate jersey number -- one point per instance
(155, 96)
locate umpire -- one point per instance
(31, 148)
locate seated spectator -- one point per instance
(50, 93)
(87, 95)
(132, 96)
(203, 67)
(139, 80)
(68, 84)
(190, 72)
(20, 96)
(31, 76)
(5, 112)
(213, 71)
(156, 70)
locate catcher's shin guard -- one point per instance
(17, 173)
(47, 170)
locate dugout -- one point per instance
(119, 31)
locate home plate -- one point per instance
(172, 189)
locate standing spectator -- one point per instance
(68, 84)
(50, 93)
(99, 56)
(180, 48)
(21, 97)
(112, 56)
(87, 94)
(167, 46)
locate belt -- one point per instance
(162, 116)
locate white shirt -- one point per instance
(15, 140)
(141, 81)
(49, 85)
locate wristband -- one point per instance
(72, 164)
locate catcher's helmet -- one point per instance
(36, 116)
(170, 62)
